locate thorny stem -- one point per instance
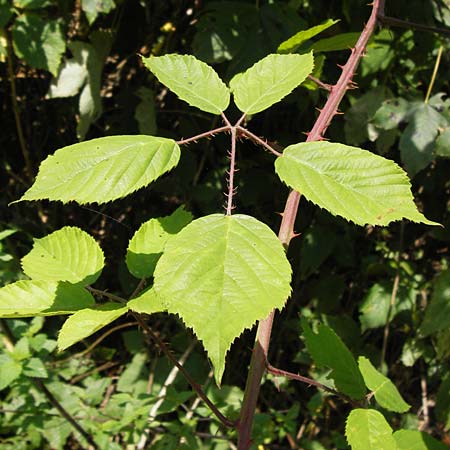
(207, 134)
(387, 20)
(257, 140)
(113, 297)
(231, 172)
(260, 351)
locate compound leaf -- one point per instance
(29, 298)
(221, 274)
(386, 393)
(349, 182)
(69, 254)
(147, 244)
(192, 80)
(103, 169)
(327, 350)
(269, 80)
(417, 440)
(147, 303)
(367, 429)
(87, 321)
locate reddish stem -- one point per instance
(260, 351)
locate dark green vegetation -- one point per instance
(384, 291)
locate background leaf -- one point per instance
(221, 274)
(29, 298)
(103, 169)
(327, 350)
(443, 144)
(192, 80)
(148, 243)
(10, 369)
(386, 394)
(367, 429)
(417, 440)
(349, 182)
(269, 80)
(68, 254)
(87, 321)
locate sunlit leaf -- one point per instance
(417, 440)
(269, 80)
(221, 274)
(350, 182)
(147, 303)
(103, 169)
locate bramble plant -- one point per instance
(221, 273)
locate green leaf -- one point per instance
(386, 393)
(147, 303)
(103, 169)
(367, 429)
(327, 350)
(10, 369)
(92, 8)
(343, 41)
(69, 254)
(34, 367)
(145, 113)
(418, 140)
(437, 314)
(87, 321)
(39, 42)
(148, 243)
(443, 144)
(349, 182)
(443, 401)
(29, 298)
(269, 80)
(6, 12)
(192, 80)
(417, 440)
(374, 308)
(294, 42)
(391, 113)
(31, 4)
(221, 274)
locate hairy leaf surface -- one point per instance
(147, 244)
(221, 274)
(192, 80)
(29, 298)
(386, 393)
(69, 254)
(87, 321)
(367, 429)
(269, 80)
(103, 169)
(327, 350)
(349, 182)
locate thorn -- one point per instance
(306, 133)
(338, 113)
(340, 66)
(294, 235)
(318, 109)
(279, 213)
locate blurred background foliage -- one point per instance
(70, 70)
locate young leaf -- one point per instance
(87, 321)
(269, 80)
(10, 369)
(294, 42)
(147, 303)
(327, 350)
(342, 41)
(386, 393)
(192, 80)
(437, 315)
(103, 169)
(221, 274)
(147, 244)
(68, 254)
(29, 298)
(367, 429)
(349, 182)
(417, 440)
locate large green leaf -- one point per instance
(327, 350)
(147, 303)
(147, 244)
(221, 274)
(69, 254)
(349, 182)
(269, 80)
(39, 42)
(437, 315)
(417, 440)
(367, 429)
(103, 169)
(292, 44)
(386, 393)
(29, 298)
(192, 80)
(87, 321)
